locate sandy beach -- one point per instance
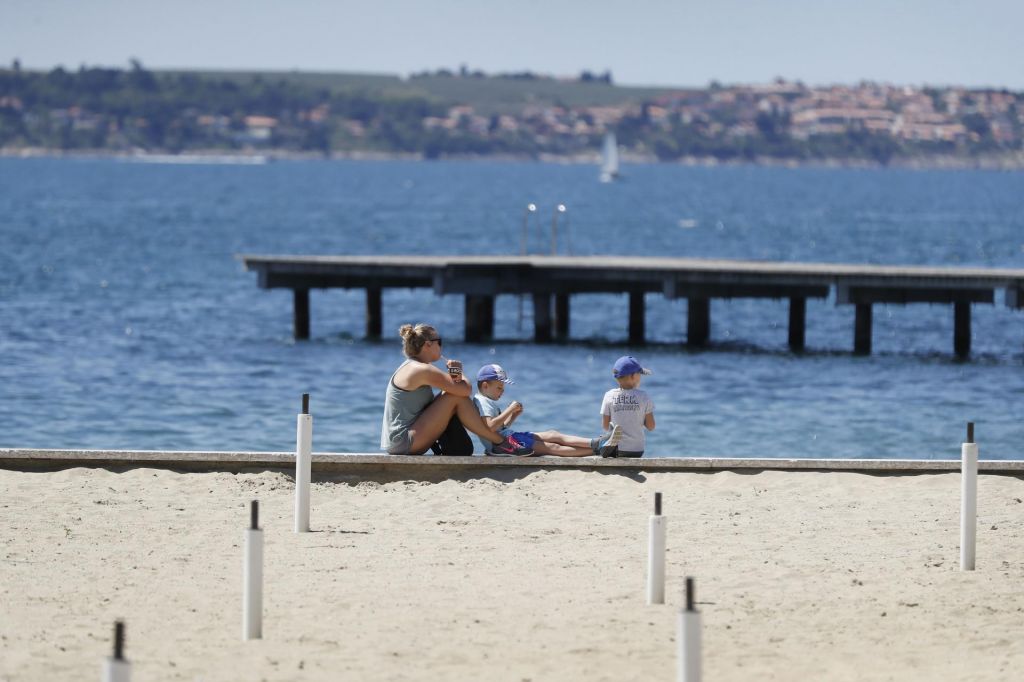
(516, 575)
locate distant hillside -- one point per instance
(487, 95)
(524, 115)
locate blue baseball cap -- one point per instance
(627, 365)
(493, 373)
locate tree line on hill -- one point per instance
(138, 109)
(586, 76)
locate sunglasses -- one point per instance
(438, 340)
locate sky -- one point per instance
(642, 42)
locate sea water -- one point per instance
(126, 320)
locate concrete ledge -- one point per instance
(414, 467)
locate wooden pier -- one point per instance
(550, 281)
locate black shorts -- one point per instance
(454, 441)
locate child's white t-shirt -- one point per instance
(488, 407)
(628, 408)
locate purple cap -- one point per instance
(493, 373)
(627, 365)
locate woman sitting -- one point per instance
(415, 419)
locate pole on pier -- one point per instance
(568, 235)
(303, 465)
(116, 668)
(968, 499)
(562, 316)
(542, 318)
(862, 329)
(962, 328)
(797, 322)
(524, 239)
(698, 321)
(656, 555)
(524, 243)
(554, 228)
(479, 318)
(689, 638)
(252, 578)
(301, 313)
(374, 318)
(636, 318)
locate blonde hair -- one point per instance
(414, 337)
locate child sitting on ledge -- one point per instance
(490, 383)
(628, 407)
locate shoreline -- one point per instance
(1007, 163)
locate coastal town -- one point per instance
(138, 111)
(905, 113)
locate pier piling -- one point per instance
(562, 316)
(962, 329)
(301, 313)
(636, 318)
(698, 321)
(542, 318)
(862, 329)
(797, 323)
(479, 324)
(374, 319)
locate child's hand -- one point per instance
(517, 408)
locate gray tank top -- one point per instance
(401, 407)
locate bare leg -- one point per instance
(471, 419)
(434, 420)
(562, 439)
(542, 448)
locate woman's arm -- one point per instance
(456, 385)
(417, 374)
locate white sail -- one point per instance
(609, 158)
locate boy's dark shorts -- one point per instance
(630, 453)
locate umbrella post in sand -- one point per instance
(252, 578)
(656, 555)
(117, 668)
(689, 638)
(303, 465)
(968, 499)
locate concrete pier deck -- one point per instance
(374, 465)
(551, 280)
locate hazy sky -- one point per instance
(643, 42)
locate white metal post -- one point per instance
(303, 465)
(252, 579)
(656, 555)
(968, 500)
(689, 638)
(116, 668)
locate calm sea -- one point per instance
(127, 322)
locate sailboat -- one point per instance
(609, 158)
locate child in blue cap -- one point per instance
(628, 407)
(491, 381)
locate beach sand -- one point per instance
(522, 576)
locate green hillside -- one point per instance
(133, 110)
(488, 95)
